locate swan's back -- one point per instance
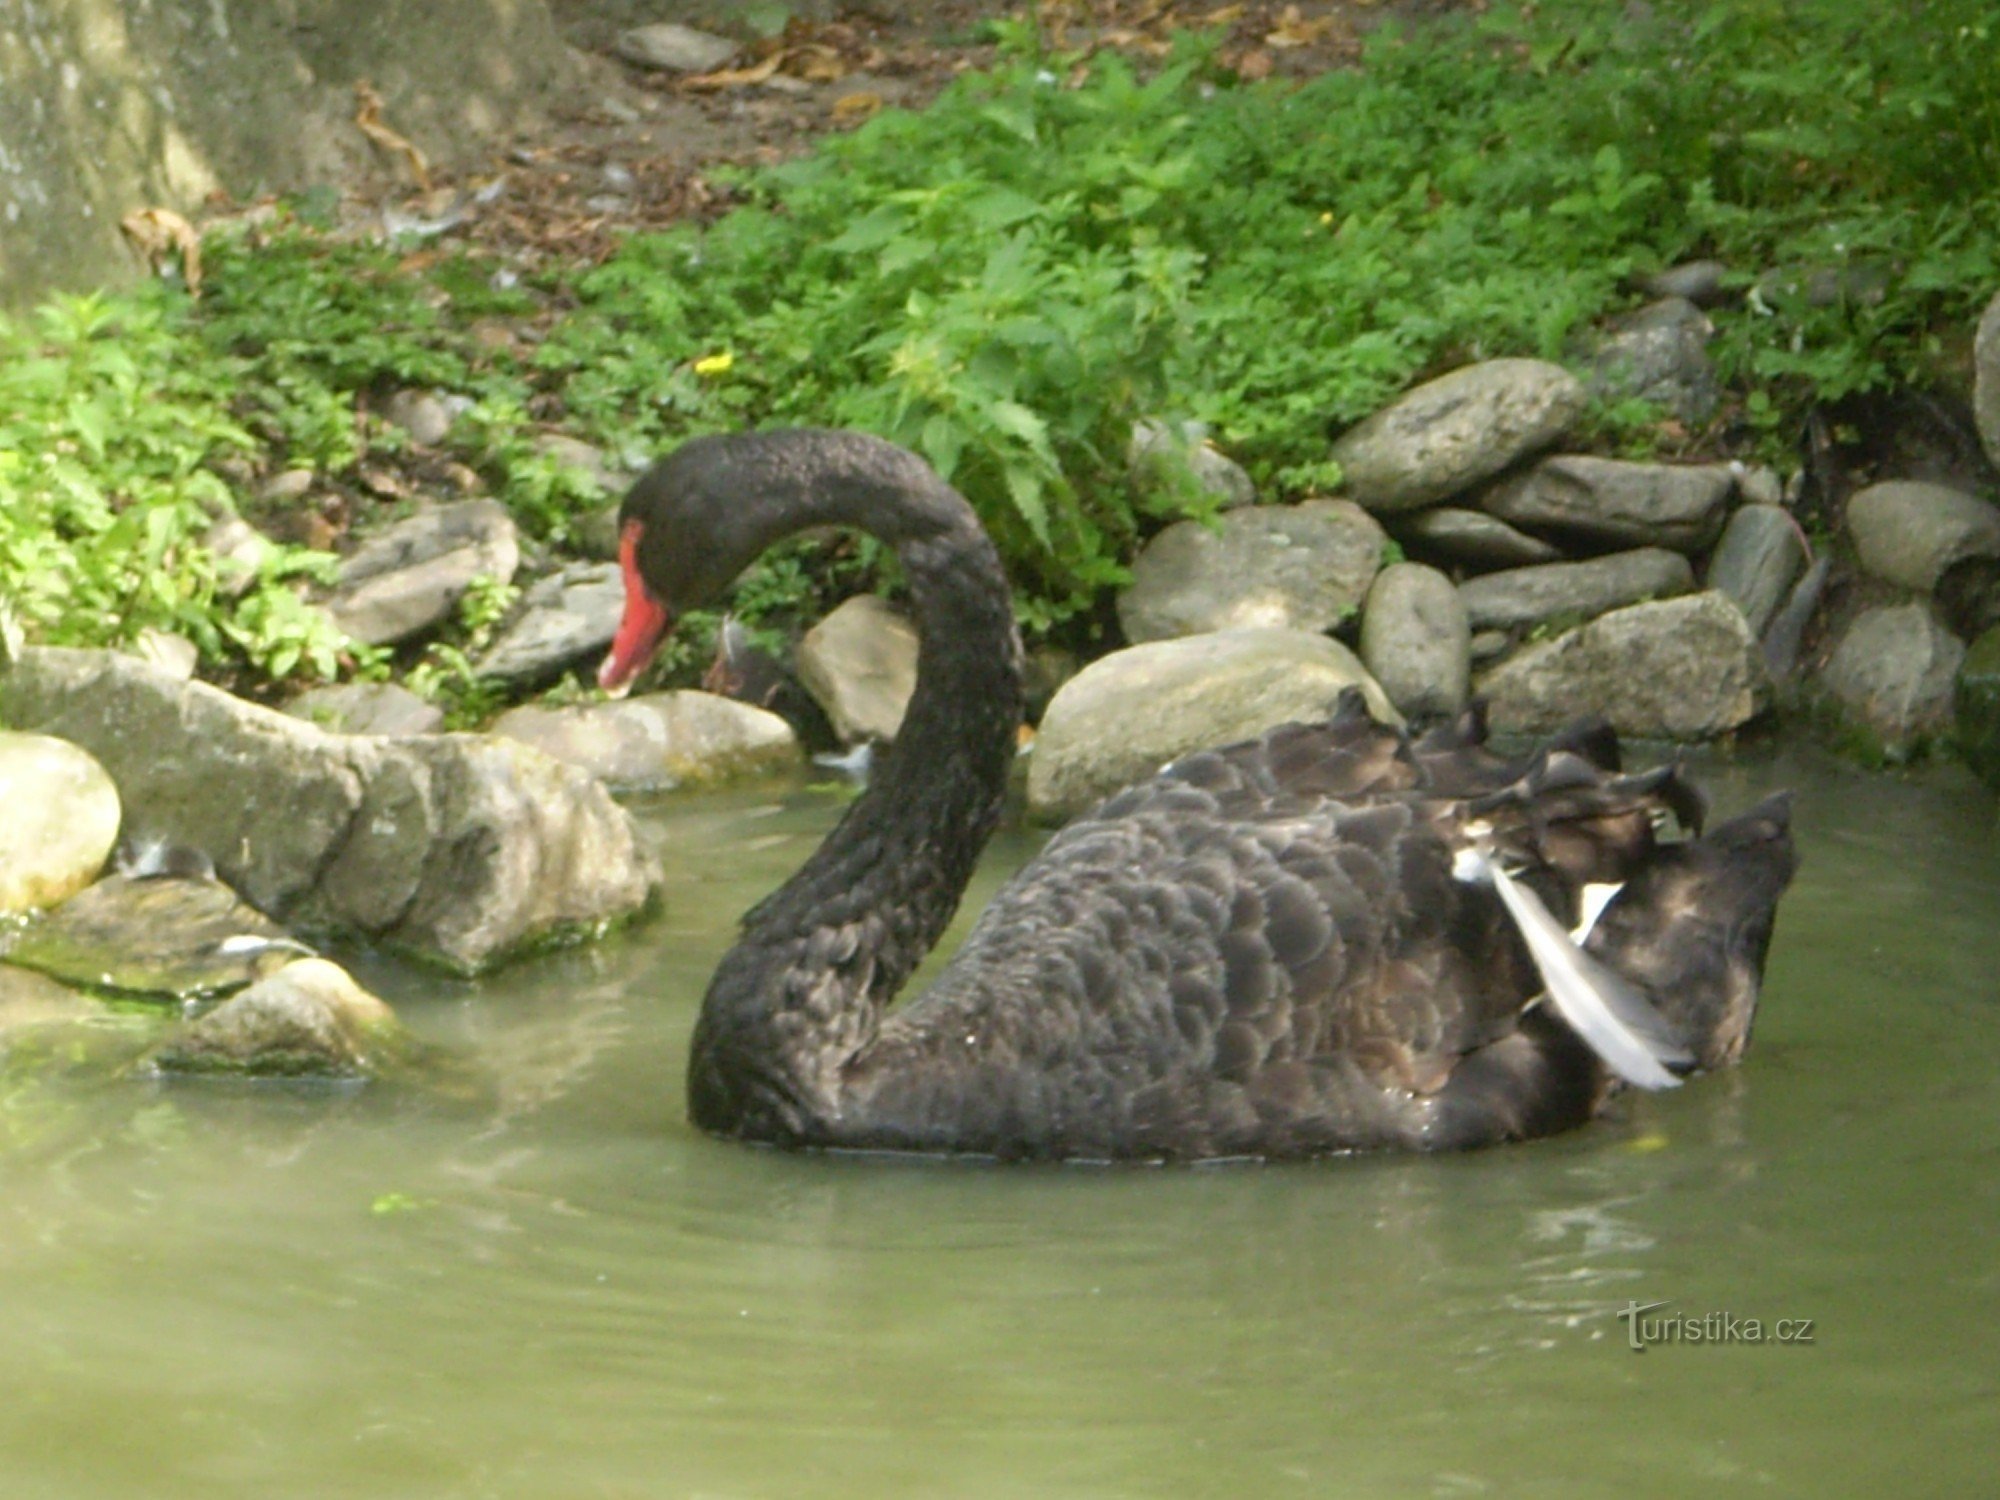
(1263, 950)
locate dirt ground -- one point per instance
(637, 152)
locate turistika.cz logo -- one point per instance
(1645, 1326)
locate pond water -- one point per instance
(542, 1283)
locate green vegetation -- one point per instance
(1007, 280)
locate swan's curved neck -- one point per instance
(804, 988)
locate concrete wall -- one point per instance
(112, 105)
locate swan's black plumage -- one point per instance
(1264, 950)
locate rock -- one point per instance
(658, 740)
(1416, 642)
(1486, 645)
(1659, 354)
(1759, 557)
(1934, 540)
(1786, 633)
(1127, 714)
(1986, 380)
(426, 417)
(1699, 281)
(461, 849)
(673, 48)
(157, 935)
(367, 708)
(1450, 433)
(61, 814)
(1608, 502)
(1529, 596)
(594, 534)
(1758, 484)
(307, 1020)
(1472, 538)
(29, 1000)
(1894, 672)
(1977, 704)
(1678, 669)
(1306, 567)
(409, 578)
(860, 665)
(240, 550)
(586, 460)
(1162, 457)
(568, 617)
(173, 654)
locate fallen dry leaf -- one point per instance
(852, 109)
(368, 117)
(733, 78)
(158, 232)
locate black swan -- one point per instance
(1331, 938)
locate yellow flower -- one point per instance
(715, 364)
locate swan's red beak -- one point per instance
(644, 623)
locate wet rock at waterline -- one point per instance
(1416, 642)
(1760, 556)
(1607, 502)
(1934, 540)
(566, 618)
(1471, 539)
(402, 581)
(1551, 591)
(1453, 432)
(1676, 669)
(367, 708)
(1893, 674)
(1977, 708)
(1304, 567)
(461, 849)
(29, 999)
(308, 1019)
(1162, 458)
(860, 665)
(1127, 714)
(157, 935)
(1659, 354)
(658, 740)
(59, 816)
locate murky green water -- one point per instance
(549, 1287)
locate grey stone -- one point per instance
(1760, 556)
(1471, 538)
(1678, 669)
(586, 460)
(240, 550)
(307, 1020)
(1415, 640)
(1699, 281)
(462, 849)
(1125, 715)
(674, 49)
(1893, 672)
(1659, 354)
(1529, 596)
(1986, 380)
(422, 414)
(1306, 567)
(1160, 457)
(1758, 484)
(594, 534)
(860, 665)
(367, 708)
(173, 654)
(658, 740)
(156, 935)
(1486, 645)
(1609, 502)
(59, 816)
(1450, 433)
(568, 617)
(1934, 540)
(409, 578)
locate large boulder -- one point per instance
(1127, 714)
(1416, 642)
(1551, 591)
(1471, 539)
(1893, 674)
(409, 578)
(1760, 556)
(860, 665)
(59, 816)
(1608, 502)
(462, 849)
(1306, 567)
(1676, 669)
(1453, 432)
(1932, 539)
(658, 740)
